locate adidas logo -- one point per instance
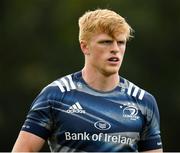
(76, 108)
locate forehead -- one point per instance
(104, 36)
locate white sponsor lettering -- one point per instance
(77, 136)
(99, 137)
(76, 111)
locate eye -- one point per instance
(106, 42)
(121, 42)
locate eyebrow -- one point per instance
(106, 39)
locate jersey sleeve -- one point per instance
(150, 138)
(39, 120)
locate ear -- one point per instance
(84, 47)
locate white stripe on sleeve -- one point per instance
(135, 91)
(71, 82)
(66, 84)
(141, 94)
(130, 88)
(60, 86)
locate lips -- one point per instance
(113, 59)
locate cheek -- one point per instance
(99, 57)
(98, 53)
(123, 49)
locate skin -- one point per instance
(97, 52)
(98, 72)
(27, 142)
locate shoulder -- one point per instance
(145, 100)
(63, 84)
(137, 92)
(57, 89)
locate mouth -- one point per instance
(113, 59)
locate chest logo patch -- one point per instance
(102, 125)
(130, 111)
(76, 108)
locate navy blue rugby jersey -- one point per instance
(73, 117)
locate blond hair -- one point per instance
(102, 20)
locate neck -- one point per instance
(99, 81)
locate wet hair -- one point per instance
(102, 21)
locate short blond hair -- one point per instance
(102, 20)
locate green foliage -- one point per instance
(39, 43)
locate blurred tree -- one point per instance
(39, 43)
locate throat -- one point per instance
(101, 82)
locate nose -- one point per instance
(115, 48)
(114, 51)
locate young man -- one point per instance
(94, 110)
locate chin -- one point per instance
(110, 72)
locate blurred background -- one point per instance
(39, 43)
